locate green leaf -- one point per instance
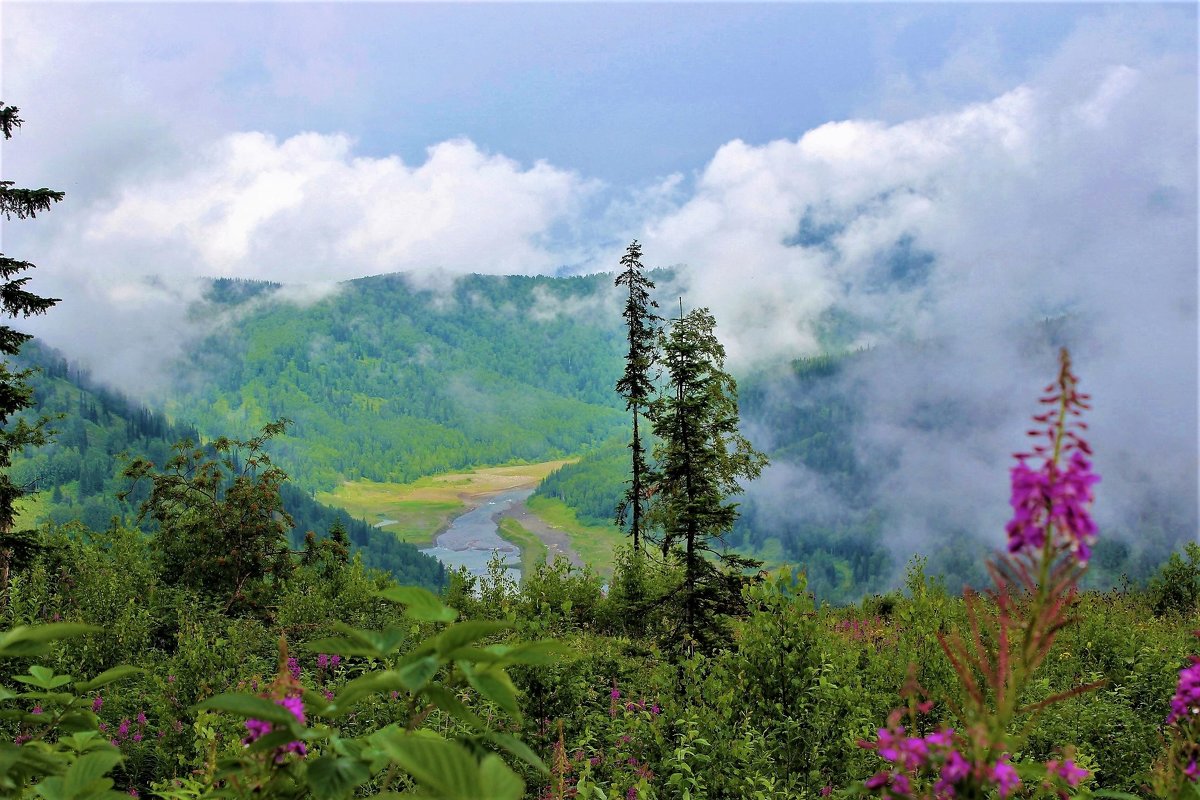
(501, 782)
(516, 747)
(88, 769)
(420, 604)
(43, 678)
(31, 641)
(448, 701)
(107, 677)
(495, 685)
(249, 707)
(336, 645)
(356, 642)
(449, 641)
(330, 777)
(369, 684)
(417, 674)
(77, 722)
(545, 651)
(445, 767)
(52, 788)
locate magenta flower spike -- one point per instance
(1051, 503)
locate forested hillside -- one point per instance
(391, 382)
(77, 475)
(807, 419)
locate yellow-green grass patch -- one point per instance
(30, 508)
(533, 551)
(416, 512)
(595, 544)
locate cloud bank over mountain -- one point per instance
(955, 233)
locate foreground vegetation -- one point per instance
(778, 713)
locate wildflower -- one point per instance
(594, 761)
(294, 705)
(256, 729)
(1005, 776)
(123, 728)
(902, 750)
(1068, 771)
(1052, 498)
(632, 793)
(954, 770)
(103, 726)
(322, 661)
(97, 703)
(328, 695)
(137, 737)
(655, 710)
(335, 660)
(293, 666)
(177, 725)
(133, 792)
(36, 710)
(1192, 771)
(141, 718)
(1186, 701)
(615, 694)
(23, 738)
(826, 790)
(170, 679)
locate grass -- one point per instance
(416, 512)
(594, 543)
(30, 508)
(533, 552)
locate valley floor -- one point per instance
(418, 512)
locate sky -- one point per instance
(944, 175)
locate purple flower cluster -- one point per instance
(1053, 500)
(938, 755)
(326, 661)
(257, 728)
(1185, 705)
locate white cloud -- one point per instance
(307, 208)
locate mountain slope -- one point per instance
(77, 474)
(391, 382)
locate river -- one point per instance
(473, 536)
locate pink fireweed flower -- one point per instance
(898, 748)
(1068, 770)
(1005, 776)
(141, 718)
(293, 666)
(954, 770)
(1186, 702)
(36, 710)
(322, 661)
(1192, 771)
(97, 703)
(1054, 497)
(257, 728)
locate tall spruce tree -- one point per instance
(636, 385)
(701, 460)
(15, 393)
